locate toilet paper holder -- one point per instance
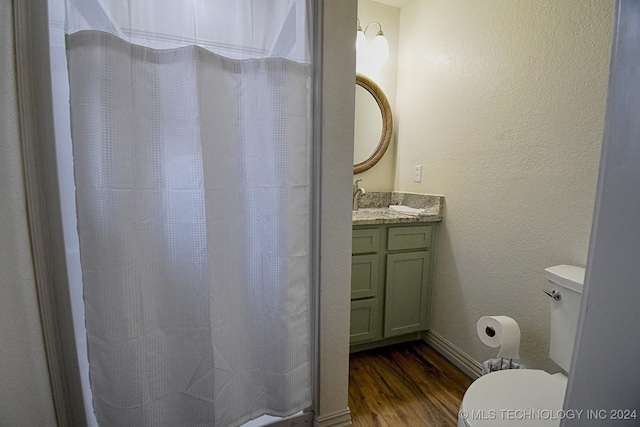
(555, 294)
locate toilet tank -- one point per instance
(568, 281)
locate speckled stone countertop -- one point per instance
(374, 208)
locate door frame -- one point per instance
(37, 141)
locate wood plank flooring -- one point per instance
(404, 385)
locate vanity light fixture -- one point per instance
(379, 45)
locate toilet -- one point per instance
(531, 397)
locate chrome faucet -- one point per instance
(357, 193)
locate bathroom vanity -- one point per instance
(392, 264)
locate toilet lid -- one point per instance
(515, 397)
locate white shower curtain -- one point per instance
(192, 174)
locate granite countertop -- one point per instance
(374, 208)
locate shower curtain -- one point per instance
(191, 127)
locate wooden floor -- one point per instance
(404, 385)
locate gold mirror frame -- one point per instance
(387, 122)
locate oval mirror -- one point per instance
(373, 124)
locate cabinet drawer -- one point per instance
(364, 276)
(365, 241)
(400, 238)
(364, 320)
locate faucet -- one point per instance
(357, 193)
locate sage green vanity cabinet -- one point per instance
(390, 282)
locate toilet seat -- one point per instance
(515, 397)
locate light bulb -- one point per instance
(380, 46)
(361, 41)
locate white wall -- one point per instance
(25, 394)
(605, 373)
(381, 177)
(338, 89)
(502, 102)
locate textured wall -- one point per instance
(25, 395)
(381, 177)
(502, 102)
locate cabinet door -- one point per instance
(406, 293)
(364, 320)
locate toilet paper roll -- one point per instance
(500, 331)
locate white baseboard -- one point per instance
(301, 419)
(452, 353)
(335, 419)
